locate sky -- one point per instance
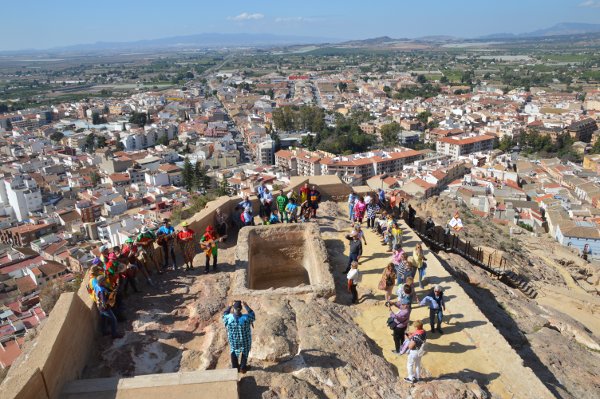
(40, 24)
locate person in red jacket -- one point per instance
(188, 245)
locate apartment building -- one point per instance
(265, 152)
(360, 166)
(582, 130)
(457, 146)
(22, 194)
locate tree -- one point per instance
(199, 176)
(342, 87)
(95, 177)
(187, 174)
(57, 136)
(424, 116)
(505, 144)
(421, 79)
(223, 188)
(444, 79)
(90, 143)
(163, 140)
(389, 134)
(100, 142)
(138, 118)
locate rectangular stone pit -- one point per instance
(282, 259)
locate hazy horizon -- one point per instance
(68, 23)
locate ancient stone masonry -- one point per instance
(282, 260)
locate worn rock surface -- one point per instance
(304, 346)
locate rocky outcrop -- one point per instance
(333, 358)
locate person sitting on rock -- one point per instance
(274, 218)
(239, 334)
(292, 211)
(436, 303)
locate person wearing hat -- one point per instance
(188, 246)
(104, 253)
(102, 294)
(145, 244)
(95, 271)
(208, 242)
(239, 333)
(437, 304)
(165, 235)
(400, 319)
(355, 249)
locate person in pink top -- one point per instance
(359, 210)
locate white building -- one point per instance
(265, 154)
(22, 194)
(456, 146)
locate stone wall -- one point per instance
(291, 247)
(207, 384)
(59, 352)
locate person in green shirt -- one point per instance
(282, 201)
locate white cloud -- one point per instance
(590, 4)
(245, 16)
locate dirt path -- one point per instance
(470, 348)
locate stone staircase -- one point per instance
(517, 281)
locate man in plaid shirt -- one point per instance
(239, 334)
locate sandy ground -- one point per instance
(461, 352)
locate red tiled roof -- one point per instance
(422, 183)
(21, 265)
(119, 177)
(25, 284)
(465, 141)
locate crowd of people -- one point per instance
(290, 207)
(116, 270)
(383, 216)
(149, 254)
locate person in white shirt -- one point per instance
(354, 279)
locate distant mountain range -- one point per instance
(202, 40)
(212, 40)
(562, 29)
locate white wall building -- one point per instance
(22, 194)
